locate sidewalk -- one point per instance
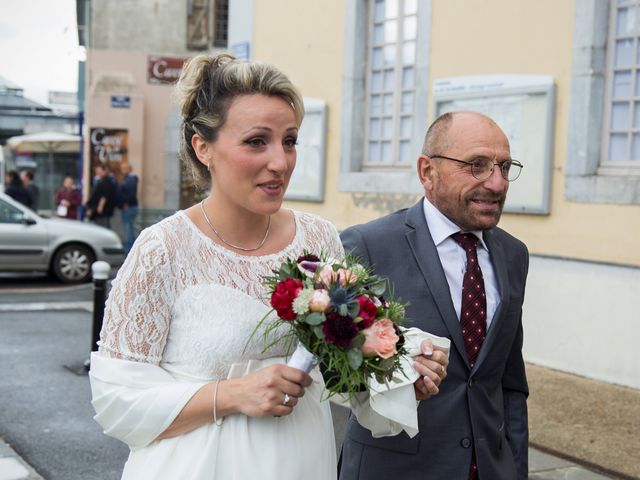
(12, 467)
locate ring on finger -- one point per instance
(286, 400)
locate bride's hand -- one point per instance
(432, 367)
(273, 390)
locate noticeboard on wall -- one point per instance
(307, 181)
(523, 106)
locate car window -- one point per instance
(9, 213)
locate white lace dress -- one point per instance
(179, 315)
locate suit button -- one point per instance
(470, 382)
(465, 442)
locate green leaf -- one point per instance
(353, 309)
(354, 356)
(314, 318)
(358, 341)
(343, 310)
(318, 332)
(378, 288)
(387, 364)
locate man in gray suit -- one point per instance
(477, 426)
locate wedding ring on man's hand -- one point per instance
(285, 402)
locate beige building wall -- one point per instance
(309, 52)
(584, 275)
(499, 37)
(146, 137)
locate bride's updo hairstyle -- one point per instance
(205, 90)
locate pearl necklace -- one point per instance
(264, 239)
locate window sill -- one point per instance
(619, 171)
(609, 189)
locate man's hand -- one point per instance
(432, 367)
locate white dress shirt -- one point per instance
(454, 260)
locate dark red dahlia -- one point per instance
(283, 297)
(339, 330)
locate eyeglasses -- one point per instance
(482, 167)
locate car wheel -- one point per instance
(72, 264)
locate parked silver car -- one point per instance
(64, 248)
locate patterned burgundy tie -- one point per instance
(473, 312)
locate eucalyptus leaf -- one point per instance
(354, 356)
(314, 318)
(378, 288)
(353, 309)
(318, 332)
(358, 341)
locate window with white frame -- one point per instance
(604, 43)
(622, 118)
(384, 94)
(390, 83)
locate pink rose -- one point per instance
(342, 276)
(380, 339)
(319, 301)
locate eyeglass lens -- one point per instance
(483, 167)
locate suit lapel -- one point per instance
(426, 256)
(496, 253)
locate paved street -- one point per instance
(45, 414)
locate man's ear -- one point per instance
(202, 149)
(426, 171)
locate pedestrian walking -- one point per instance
(67, 199)
(15, 189)
(102, 200)
(34, 192)
(128, 203)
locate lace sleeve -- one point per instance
(322, 236)
(138, 310)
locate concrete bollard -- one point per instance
(100, 271)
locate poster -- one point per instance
(108, 146)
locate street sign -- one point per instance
(120, 101)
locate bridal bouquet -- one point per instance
(340, 318)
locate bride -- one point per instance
(176, 377)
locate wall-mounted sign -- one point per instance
(120, 101)
(164, 70)
(108, 146)
(307, 181)
(523, 106)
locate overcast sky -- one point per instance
(39, 46)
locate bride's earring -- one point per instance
(209, 167)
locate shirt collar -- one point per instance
(442, 228)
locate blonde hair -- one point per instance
(205, 90)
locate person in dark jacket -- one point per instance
(27, 180)
(102, 200)
(128, 202)
(16, 190)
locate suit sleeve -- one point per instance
(515, 392)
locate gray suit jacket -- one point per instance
(483, 407)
